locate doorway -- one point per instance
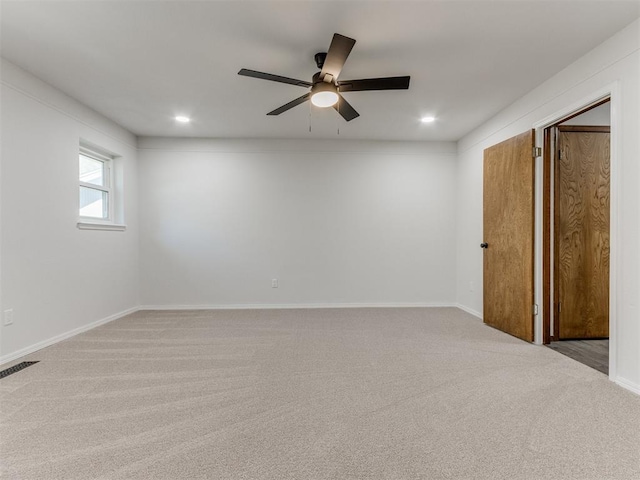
(576, 234)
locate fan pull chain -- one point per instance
(309, 117)
(338, 116)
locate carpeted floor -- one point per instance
(312, 394)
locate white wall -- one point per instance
(614, 65)
(56, 278)
(598, 116)
(337, 222)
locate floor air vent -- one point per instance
(16, 368)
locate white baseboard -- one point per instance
(468, 310)
(629, 385)
(259, 306)
(63, 336)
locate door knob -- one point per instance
(484, 245)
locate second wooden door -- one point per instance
(582, 232)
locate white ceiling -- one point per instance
(142, 62)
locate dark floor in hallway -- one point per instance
(594, 353)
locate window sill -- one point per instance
(102, 226)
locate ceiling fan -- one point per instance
(325, 88)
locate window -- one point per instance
(95, 189)
(95, 185)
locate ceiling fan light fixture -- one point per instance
(324, 94)
(324, 99)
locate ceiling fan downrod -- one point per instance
(319, 58)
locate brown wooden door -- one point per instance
(582, 232)
(508, 217)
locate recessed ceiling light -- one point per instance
(428, 119)
(182, 119)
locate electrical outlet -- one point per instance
(8, 317)
(274, 283)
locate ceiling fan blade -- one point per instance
(345, 109)
(387, 83)
(291, 104)
(274, 78)
(339, 50)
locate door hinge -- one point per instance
(535, 309)
(559, 307)
(537, 152)
(559, 154)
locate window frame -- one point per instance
(107, 172)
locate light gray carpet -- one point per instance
(312, 394)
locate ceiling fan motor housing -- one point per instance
(316, 78)
(320, 86)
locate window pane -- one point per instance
(94, 203)
(91, 171)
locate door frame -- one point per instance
(543, 225)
